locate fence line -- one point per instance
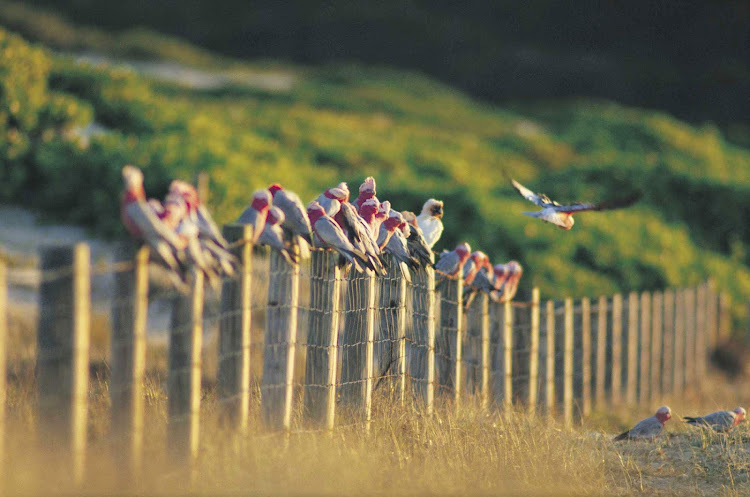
(328, 347)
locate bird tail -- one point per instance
(692, 421)
(622, 436)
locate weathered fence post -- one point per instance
(472, 346)
(485, 361)
(430, 386)
(184, 377)
(549, 366)
(700, 335)
(234, 331)
(712, 314)
(280, 342)
(601, 352)
(507, 355)
(128, 364)
(668, 348)
(725, 316)
(616, 386)
(689, 361)
(423, 331)
(3, 360)
(390, 336)
(644, 352)
(448, 342)
(657, 308)
(631, 389)
(63, 351)
(322, 337)
(568, 364)
(678, 375)
(586, 356)
(534, 351)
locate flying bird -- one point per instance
(648, 428)
(562, 215)
(721, 421)
(429, 221)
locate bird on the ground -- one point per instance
(366, 192)
(648, 428)
(417, 244)
(143, 223)
(429, 221)
(273, 236)
(451, 264)
(562, 215)
(257, 212)
(720, 421)
(328, 234)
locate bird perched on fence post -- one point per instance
(296, 221)
(648, 428)
(562, 215)
(273, 236)
(257, 212)
(515, 271)
(328, 234)
(429, 221)
(331, 199)
(366, 192)
(418, 246)
(721, 421)
(450, 264)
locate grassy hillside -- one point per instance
(418, 137)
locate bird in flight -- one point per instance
(562, 215)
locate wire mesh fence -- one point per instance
(306, 347)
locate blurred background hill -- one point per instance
(433, 100)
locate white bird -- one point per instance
(429, 221)
(562, 215)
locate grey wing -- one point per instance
(331, 234)
(152, 228)
(538, 199)
(648, 428)
(468, 268)
(248, 216)
(448, 263)
(209, 229)
(296, 216)
(617, 203)
(720, 420)
(482, 282)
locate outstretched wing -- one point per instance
(617, 203)
(539, 199)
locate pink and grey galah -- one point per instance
(451, 264)
(398, 247)
(359, 233)
(328, 234)
(515, 271)
(257, 212)
(143, 223)
(429, 221)
(388, 227)
(418, 247)
(272, 234)
(721, 421)
(562, 215)
(649, 428)
(477, 261)
(295, 221)
(331, 199)
(368, 211)
(366, 192)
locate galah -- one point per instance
(368, 212)
(331, 199)
(515, 271)
(429, 221)
(142, 222)
(327, 233)
(272, 234)
(295, 221)
(199, 213)
(257, 212)
(451, 264)
(501, 273)
(388, 228)
(415, 240)
(484, 281)
(721, 421)
(359, 233)
(366, 192)
(397, 246)
(384, 210)
(562, 215)
(477, 261)
(648, 428)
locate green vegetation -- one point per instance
(419, 139)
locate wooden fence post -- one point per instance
(689, 362)
(601, 352)
(431, 306)
(3, 361)
(712, 314)
(616, 386)
(323, 337)
(184, 377)
(423, 335)
(128, 364)
(586, 355)
(280, 342)
(534, 351)
(390, 338)
(725, 316)
(472, 346)
(451, 326)
(678, 375)
(657, 308)
(485, 359)
(63, 351)
(700, 335)
(549, 367)
(644, 349)
(631, 389)
(668, 349)
(234, 331)
(568, 364)
(507, 355)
